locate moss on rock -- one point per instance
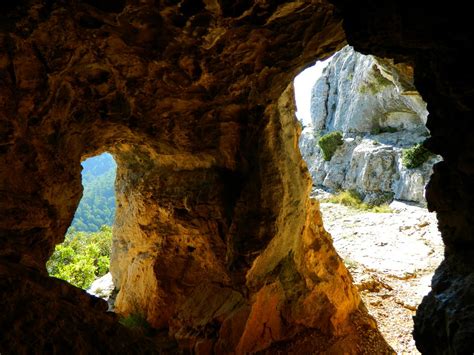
(329, 144)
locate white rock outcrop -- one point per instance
(374, 104)
(102, 287)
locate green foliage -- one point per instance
(329, 144)
(82, 257)
(134, 320)
(97, 206)
(380, 209)
(415, 156)
(138, 323)
(85, 253)
(352, 198)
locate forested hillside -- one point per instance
(97, 206)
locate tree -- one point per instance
(82, 257)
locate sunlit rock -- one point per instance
(102, 287)
(212, 189)
(374, 104)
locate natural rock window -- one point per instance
(216, 241)
(83, 259)
(371, 180)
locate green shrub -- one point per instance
(138, 323)
(381, 209)
(415, 156)
(375, 130)
(352, 198)
(329, 143)
(82, 257)
(134, 320)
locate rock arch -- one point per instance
(216, 238)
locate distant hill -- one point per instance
(97, 206)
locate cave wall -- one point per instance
(215, 239)
(436, 39)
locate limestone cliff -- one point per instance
(374, 104)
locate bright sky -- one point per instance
(303, 84)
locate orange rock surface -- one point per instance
(216, 242)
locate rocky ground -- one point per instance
(392, 257)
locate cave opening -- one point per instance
(83, 258)
(363, 127)
(203, 91)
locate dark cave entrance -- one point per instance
(83, 259)
(363, 127)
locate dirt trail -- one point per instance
(392, 257)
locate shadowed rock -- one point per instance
(190, 99)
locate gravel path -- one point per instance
(392, 257)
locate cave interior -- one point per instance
(216, 241)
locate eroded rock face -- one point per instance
(196, 88)
(374, 104)
(216, 240)
(360, 94)
(199, 277)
